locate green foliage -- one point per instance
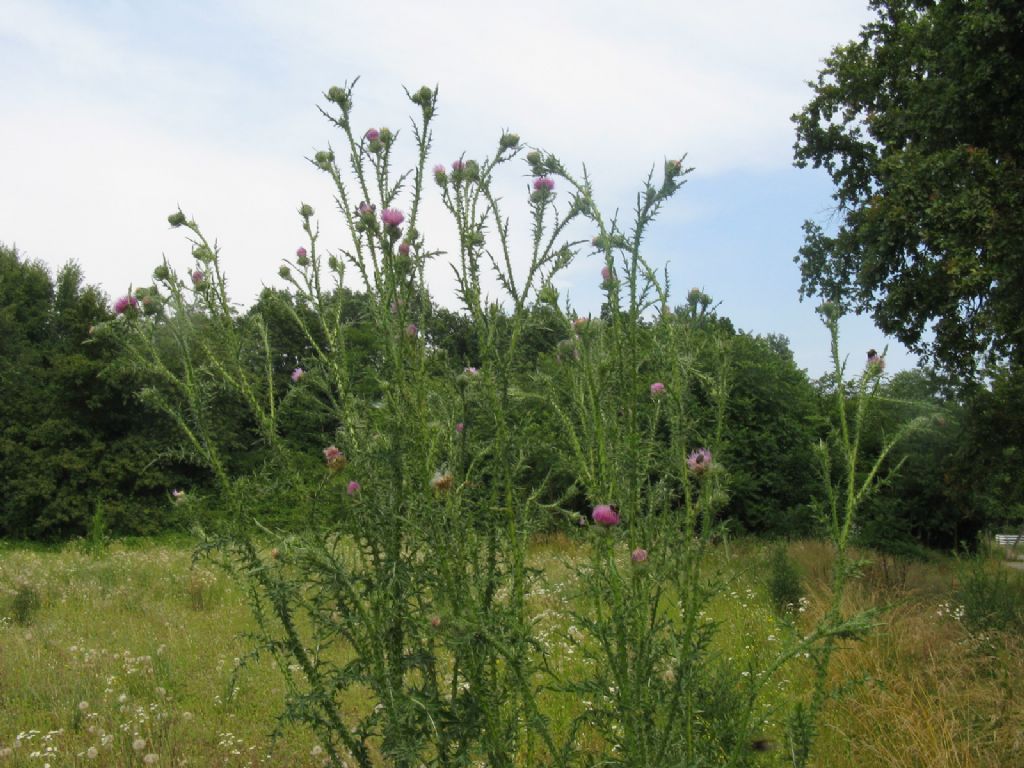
(24, 603)
(919, 123)
(785, 586)
(991, 594)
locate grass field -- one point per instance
(128, 655)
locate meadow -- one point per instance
(130, 654)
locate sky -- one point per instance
(116, 113)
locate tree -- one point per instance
(920, 124)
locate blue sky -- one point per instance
(115, 113)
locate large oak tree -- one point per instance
(920, 124)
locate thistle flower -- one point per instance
(639, 555)
(458, 166)
(442, 481)
(372, 135)
(606, 274)
(460, 427)
(197, 278)
(699, 461)
(403, 248)
(435, 622)
(353, 488)
(876, 363)
(125, 303)
(470, 371)
(544, 184)
(300, 252)
(392, 217)
(440, 175)
(297, 374)
(657, 389)
(604, 515)
(178, 495)
(412, 331)
(335, 459)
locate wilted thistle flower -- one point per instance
(353, 488)
(297, 374)
(151, 758)
(197, 278)
(335, 459)
(91, 753)
(435, 622)
(83, 706)
(639, 555)
(699, 461)
(657, 389)
(604, 515)
(139, 744)
(442, 481)
(392, 217)
(544, 184)
(125, 303)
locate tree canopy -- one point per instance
(920, 124)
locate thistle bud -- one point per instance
(533, 157)
(305, 211)
(324, 159)
(509, 141)
(161, 272)
(424, 97)
(284, 272)
(176, 219)
(472, 170)
(340, 97)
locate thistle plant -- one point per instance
(397, 604)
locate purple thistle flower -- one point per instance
(875, 361)
(699, 461)
(125, 303)
(403, 248)
(353, 488)
(392, 217)
(178, 495)
(197, 278)
(412, 331)
(543, 184)
(300, 252)
(297, 374)
(657, 389)
(604, 515)
(372, 135)
(471, 371)
(335, 458)
(460, 427)
(459, 165)
(639, 555)
(606, 274)
(581, 521)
